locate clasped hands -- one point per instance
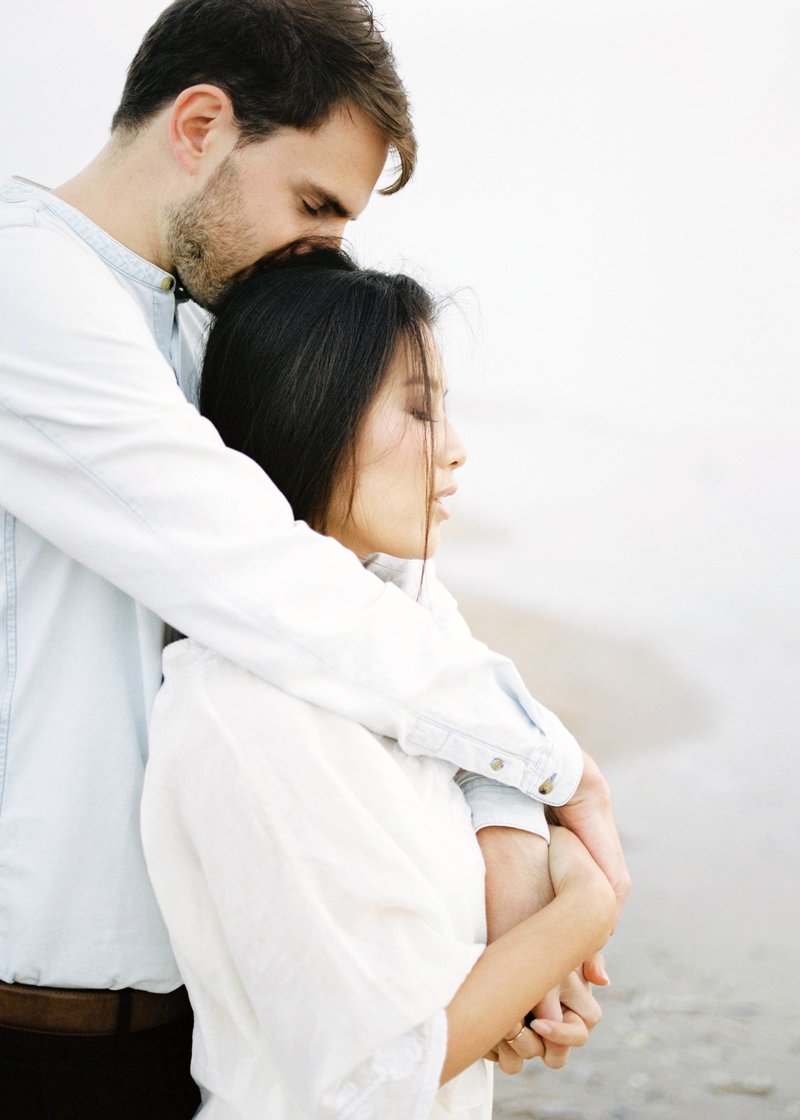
(518, 884)
(563, 1019)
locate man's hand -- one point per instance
(589, 816)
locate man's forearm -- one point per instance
(517, 877)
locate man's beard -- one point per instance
(208, 237)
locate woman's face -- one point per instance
(392, 496)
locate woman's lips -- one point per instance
(439, 501)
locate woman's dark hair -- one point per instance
(283, 63)
(295, 357)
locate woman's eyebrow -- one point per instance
(418, 383)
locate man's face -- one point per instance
(294, 184)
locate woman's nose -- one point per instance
(455, 452)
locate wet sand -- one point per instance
(678, 669)
(701, 1020)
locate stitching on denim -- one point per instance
(9, 556)
(110, 251)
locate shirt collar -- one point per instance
(110, 250)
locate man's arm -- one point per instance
(518, 880)
(516, 866)
(101, 455)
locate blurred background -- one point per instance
(609, 191)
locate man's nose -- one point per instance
(333, 231)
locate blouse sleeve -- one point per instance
(400, 1079)
(311, 910)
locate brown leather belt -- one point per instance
(86, 1011)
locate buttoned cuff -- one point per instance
(549, 771)
(493, 804)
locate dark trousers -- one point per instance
(143, 1075)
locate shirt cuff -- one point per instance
(493, 804)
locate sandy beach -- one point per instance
(675, 662)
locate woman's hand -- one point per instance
(519, 1046)
(565, 1018)
(548, 1039)
(517, 970)
(573, 869)
(518, 884)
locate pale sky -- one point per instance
(611, 191)
(613, 184)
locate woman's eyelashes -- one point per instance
(309, 208)
(430, 411)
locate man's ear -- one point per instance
(201, 127)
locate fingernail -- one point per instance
(541, 1027)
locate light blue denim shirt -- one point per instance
(120, 507)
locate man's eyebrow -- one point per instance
(329, 201)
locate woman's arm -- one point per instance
(518, 885)
(515, 971)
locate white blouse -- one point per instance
(321, 927)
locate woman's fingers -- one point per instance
(576, 995)
(509, 1059)
(560, 1037)
(524, 1043)
(548, 1039)
(594, 970)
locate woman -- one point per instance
(322, 889)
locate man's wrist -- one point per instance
(518, 880)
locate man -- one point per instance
(244, 124)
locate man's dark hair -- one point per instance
(283, 63)
(294, 359)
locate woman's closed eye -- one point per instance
(309, 208)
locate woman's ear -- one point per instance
(201, 127)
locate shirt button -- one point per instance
(497, 764)
(168, 283)
(547, 785)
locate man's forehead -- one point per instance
(339, 176)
